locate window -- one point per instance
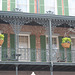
(49, 6)
(54, 42)
(23, 5)
(73, 49)
(23, 41)
(54, 47)
(73, 44)
(24, 45)
(71, 4)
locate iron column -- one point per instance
(50, 47)
(16, 69)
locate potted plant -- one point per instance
(66, 42)
(1, 39)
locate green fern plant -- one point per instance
(1, 36)
(66, 40)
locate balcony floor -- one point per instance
(36, 66)
(24, 66)
(64, 66)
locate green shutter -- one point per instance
(33, 47)
(43, 47)
(59, 7)
(59, 2)
(59, 10)
(66, 9)
(12, 5)
(12, 0)
(41, 2)
(4, 48)
(4, 5)
(12, 45)
(61, 49)
(31, 6)
(69, 54)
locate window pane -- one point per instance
(54, 43)
(73, 44)
(21, 1)
(23, 41)
(22, 4)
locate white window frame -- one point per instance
(28, 35)
(73, 59)
(73, 37)
(56, 38)
(0, 5)
(27, 4)
(57, 41)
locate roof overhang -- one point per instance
(35, 15)
(56, 20)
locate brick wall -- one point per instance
(34, 30)
(62, 31)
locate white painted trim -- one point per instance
(27, 5)
(0, 4)
(28, 35)
(1, 31)
(73, 53)
(57, 41)
(72, 37)
(56, 7)
(15, 3)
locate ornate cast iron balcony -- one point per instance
(37, 55)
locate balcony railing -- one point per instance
(37, 55)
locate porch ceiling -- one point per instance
(33, 23)
(3, 22)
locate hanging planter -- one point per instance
(66, 42)
(1, 39)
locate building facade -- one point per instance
(27, 47)
(58, 7)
